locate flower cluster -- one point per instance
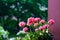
(36, 23)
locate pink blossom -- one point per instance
(35, 24)
(46, 26)
(22, 24)
(42, 21)
(51, 21)
(37, 19)
(25, 29)
(30, 21)
(41, 28)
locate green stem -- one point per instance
(2, 18)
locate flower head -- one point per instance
(22, 24)
(42, 21)
(41, 28)
(37, 19)
(30, 21)
(46, 26)
(25, 29)
(51, 21)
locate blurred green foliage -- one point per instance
(3, 34)
(14, 11)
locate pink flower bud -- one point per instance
(51, 21)
(37, 19)
(35, 24)
(41, 28)
(25, 29)
(22, 24)
(42, 21)
(46, 26)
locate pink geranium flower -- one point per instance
(46, 26)
(51, 21)
(30, 21)
(25, 29)
(41, 28)
(22, 24)
(37, 19)
(42, 21)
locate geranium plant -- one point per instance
(35, 29)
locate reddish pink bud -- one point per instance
(37, 19)
(51, 21)
(41, 28)
(42, 21)
(25, 29)
(46, 26)
(22, 24)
